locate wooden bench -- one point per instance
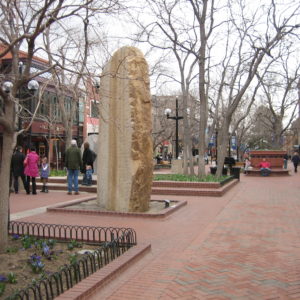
(274, 172)
(239, 164)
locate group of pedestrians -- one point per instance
(75, 164)
(27, 168)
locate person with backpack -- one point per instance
(88, 158)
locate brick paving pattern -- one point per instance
(243, 245)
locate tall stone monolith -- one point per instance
(125, 127)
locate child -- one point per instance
(247, 165)
(45, 170)
(88, 175)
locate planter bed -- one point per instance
(106, 243)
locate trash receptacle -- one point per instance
(235, 172)
(213, 170)
(225, 170)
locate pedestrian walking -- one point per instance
(170, 156)
(88, 158)
(17, 167)
(296, 160)
(73, 164)
(44, 173)
(31, 170)
(285, 161)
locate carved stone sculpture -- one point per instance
(125, 142)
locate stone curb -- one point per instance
(97, 280)
(63, 208)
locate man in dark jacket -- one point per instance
(296, 161)
(17, 167)
(88, 159)
(73, 164)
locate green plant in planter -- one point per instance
(11, 278)
(56, 173)
(12, 250)
(73, 258)
(28, 241)
(2, 288)
(182, 177)
(51, 243)
(36, 264)
(74, 244)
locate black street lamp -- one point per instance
(176, 118)
(229, 145)
(216, 147)
(32, 86)
(19, 94)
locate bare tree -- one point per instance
(279, 88)
(173, 31)
(22, 23)
(250, 47)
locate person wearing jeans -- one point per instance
(73, 181)
(31, 169)
(265, 168)
(73, 164)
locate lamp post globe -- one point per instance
(168, 111)
(7, 86)
(33, 85)
(97, 84)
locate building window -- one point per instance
(94, 109)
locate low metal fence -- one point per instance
(112, 242)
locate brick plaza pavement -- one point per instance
(244, 245)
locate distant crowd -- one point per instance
(30, 166)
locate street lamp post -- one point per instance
(19, 94)
(216, 147)
(176, 118)
(229, 145)
(32, 86)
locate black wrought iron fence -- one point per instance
(66, 232)
(112, 242)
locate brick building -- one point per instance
(47, 132)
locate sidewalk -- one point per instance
(244, 245)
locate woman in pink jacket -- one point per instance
(31, 169)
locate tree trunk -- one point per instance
(222, 148)
(188, 164)
(68, 131)
(4, 183)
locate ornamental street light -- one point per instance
(176, 118)
(32, 86)
(216, 146)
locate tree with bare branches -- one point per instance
(22, 24)
(247, 51)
